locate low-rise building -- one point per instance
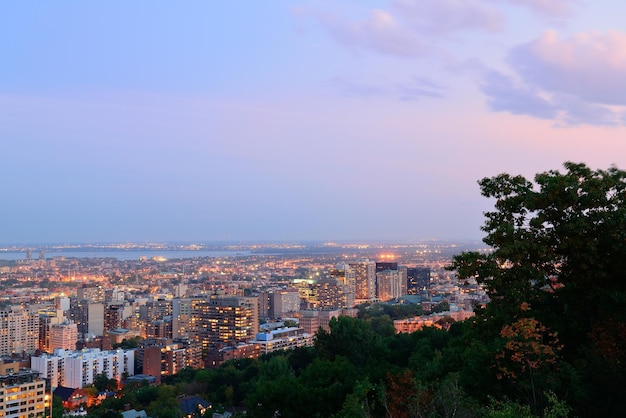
(283, 339)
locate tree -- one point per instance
(102, 383)
(558, 257)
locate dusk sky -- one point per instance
(295, 120)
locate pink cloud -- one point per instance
(580, 80)
(380, 32)
(549, 8)
(443, 17)
(589, 65)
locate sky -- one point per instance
(295, 120)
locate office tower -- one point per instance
(418, 278)
(364, 281)
(19, 331)
(63, 335)
(77, 369)
(22, 394)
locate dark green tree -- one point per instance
(558, 257)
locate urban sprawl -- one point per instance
(67, 320)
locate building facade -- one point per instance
(22, 395)
(19, 331)
(77, 369)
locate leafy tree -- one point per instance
(102, 383)
(558, 257)
(57, 407)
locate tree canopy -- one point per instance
(555, 277)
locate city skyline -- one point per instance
(291, 121)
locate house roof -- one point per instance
(133, 413)
(188, 404)
(63, 392)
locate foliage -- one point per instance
(129, 343)
(102, 383)
(554, 277)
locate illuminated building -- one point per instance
(417, 278)
(63, 335)
(19, 331)
(22, 395)
(364, 281)
(283, 339)
(77, 369)
(284, 302)
(220, 321)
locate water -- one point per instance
(130, 254)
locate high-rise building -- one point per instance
(284, 302)
(417, 278)
(388, 285)
(364, 281)
(346, 276)
(47, 317)
(181, 317)
(95, 318)
(332, 293)
(219, 321)
(113, 316)
(63, 335)
(19, 331)
(79, 314)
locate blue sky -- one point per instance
(321, 120)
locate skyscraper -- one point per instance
(417, 279)
(364, 281)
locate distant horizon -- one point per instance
(241, 242)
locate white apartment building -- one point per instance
(77, 369)
(282, 339)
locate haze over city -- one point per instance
(308, 120)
